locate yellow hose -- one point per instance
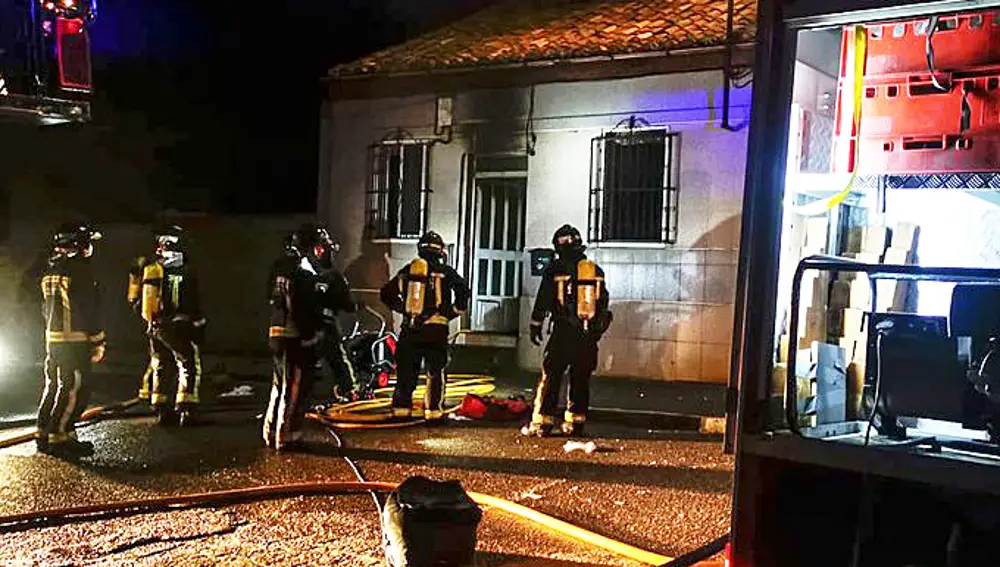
(554, 525)
(565, 528)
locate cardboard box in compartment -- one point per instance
(814, 290)
(875, 238)
(855, 322)
(905, 236)
(840, 295)
(855, 348)
(783, 348)
(780, 379)
(855, 240)
(817, 233)
(897, 256)
(861, 293)
(812, 325)
(855, 389)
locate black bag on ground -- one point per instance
(427, 523)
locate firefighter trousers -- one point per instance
(66, 392)
(291, 385)
(425, 346)
(335, 357)
(569, 349)
(174, 346)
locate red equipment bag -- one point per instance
(489, 408)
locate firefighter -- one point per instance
(574, 294)
(171, 308)
(429, 294)
(133, 297)
(74, 338)
(334, 296)
(295, 332)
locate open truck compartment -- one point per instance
(869, 345)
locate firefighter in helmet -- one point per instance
(429, 294)
(294, 334)
(334, 296)
(74, 338)
(133, 297)
(171, 308)
(573, 293)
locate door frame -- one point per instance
(474, 232)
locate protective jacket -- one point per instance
(295, 307)
(334, 296)
(71, 303)
(426, 293)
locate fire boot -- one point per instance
(71, 449)
(166, 416)
(570, 429)
(537, 430)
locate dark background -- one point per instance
(207, 106)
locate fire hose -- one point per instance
(62, 516)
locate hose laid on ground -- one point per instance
(62, 516)
(366, 414)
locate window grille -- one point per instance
(634, 185)
(398, 193)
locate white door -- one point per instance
(499, 244)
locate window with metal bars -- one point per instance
(634, 186)
(397, 197)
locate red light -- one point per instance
(68, 3)
(383, 380)
(728, 561)
(50, 6)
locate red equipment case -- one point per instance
(908, 124)
(961, 41)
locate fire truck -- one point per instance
(866, 357)
(45, 60)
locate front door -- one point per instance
(499, 246)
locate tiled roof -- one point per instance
(520, 31)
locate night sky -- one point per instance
(226, 97)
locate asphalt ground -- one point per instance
(666, 492)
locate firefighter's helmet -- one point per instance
(73, 238)
(313, 242)
(568, 242)
(431, 247)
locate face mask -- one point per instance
(172, 258)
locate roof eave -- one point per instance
(602, 67)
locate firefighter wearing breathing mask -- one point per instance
(294, 334)
(171, 308)
(74, 338)
(574, 294)
(429, 294)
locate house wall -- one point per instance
(673, 304)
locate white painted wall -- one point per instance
(673, 304)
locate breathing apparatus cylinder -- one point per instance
(416, 288)
(152, 291)
(588, 291)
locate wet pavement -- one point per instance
(660, 491)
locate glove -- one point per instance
(536, 335)
(99, 353)
(601, 324)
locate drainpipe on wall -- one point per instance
(727, 69)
